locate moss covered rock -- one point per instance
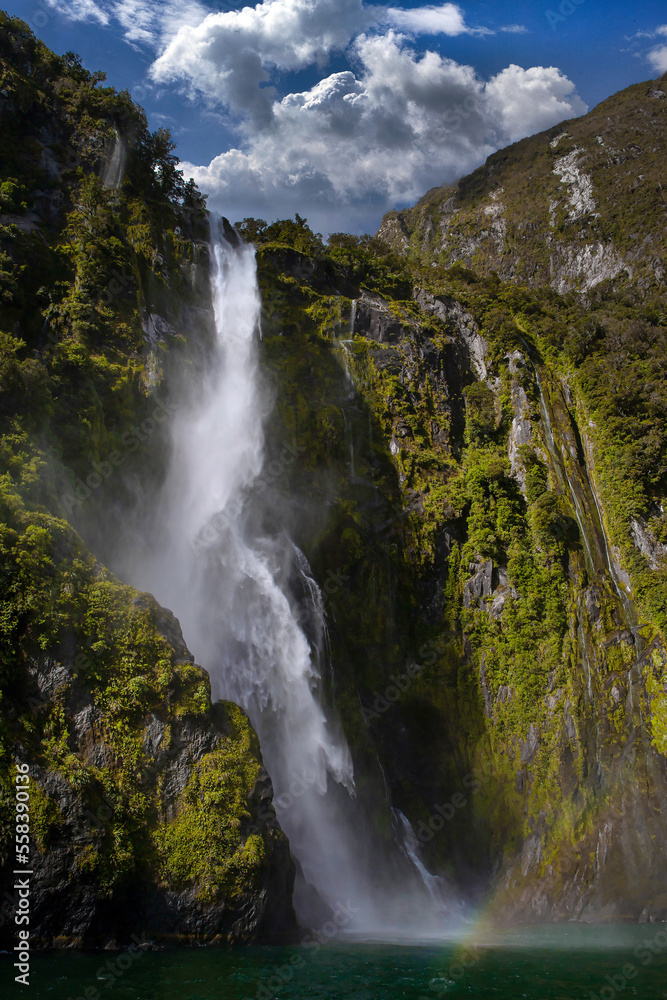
(150, 808)
(493, 644)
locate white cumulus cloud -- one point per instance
(658, 55)
(447, 19)
(355, 144)
(530, 100)
(393, 122)
(226, 57)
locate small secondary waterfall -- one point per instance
(114, 168)
(435, 886)
(594, 539)
(252, 613)
(579, 482)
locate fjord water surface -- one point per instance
(566, 962)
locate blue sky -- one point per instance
(342, 109)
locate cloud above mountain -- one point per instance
(658, 55)
(397, 122)
(396, 117)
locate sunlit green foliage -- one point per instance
(82, 266)
(401, 486)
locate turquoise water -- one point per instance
(555, 963)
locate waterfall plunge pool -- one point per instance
(561, 962)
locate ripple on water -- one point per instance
(563, 963)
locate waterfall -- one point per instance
(435, 886)
(558, 463)
(253, 615)
(598, 554)
(114, 168)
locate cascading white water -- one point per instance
(232, 586)
(229, 588)
(587, 480)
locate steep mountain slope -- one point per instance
(498, 629)
(476, 472)
(488, 472)
(573, 207)
(151, 810)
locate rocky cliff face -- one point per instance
(498, 631)
(476, 471)
(574, 207)
(145, 799)
(150, 808)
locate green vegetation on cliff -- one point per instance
(477, 476)
(459, 444)
(145, 797)
(98, 665)
(84, 264)
(571, 207)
